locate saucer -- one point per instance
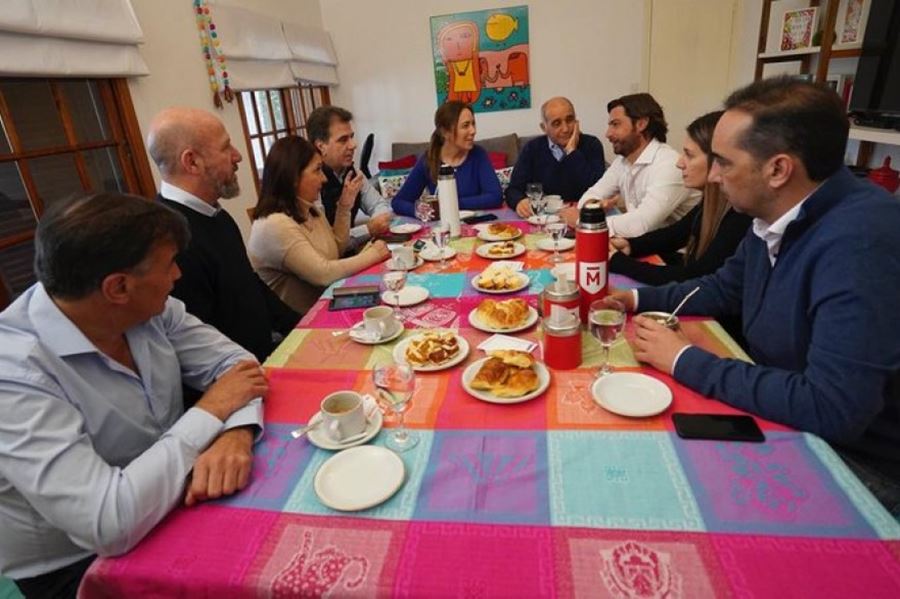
(357, 333)
(392, 266)
(543, 219)
(404, 228)
(409, 296)
(432, 255)
(631, 394)
(319, 438)
(546, 244)
(359, 478)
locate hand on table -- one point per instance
(620, 244)
(379, 249)
(572, 144)
(626, 296)
(523, 208)
(223, 469)
(379, 224)
(657, 344)
(234, 389)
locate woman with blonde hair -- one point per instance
(453, 143)
(292, 246)
(709, 233)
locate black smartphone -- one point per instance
(354, 296)
(479, 218)
(719, 427)
(419, 245)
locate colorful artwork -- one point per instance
(482, 57)
(797, 29)
(852, 18)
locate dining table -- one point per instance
(551, 497)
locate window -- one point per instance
(60, 137)
(269, 114)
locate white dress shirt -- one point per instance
(651, 188)
(176, 194)
(773, 233)
(92, 454)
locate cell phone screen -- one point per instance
(720, 427)
(349, 302)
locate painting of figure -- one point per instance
(482, 58)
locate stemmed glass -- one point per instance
(440, 234)
(607, 320)
(394, 281)
(396, 384)
(556, 230)
(535, 193)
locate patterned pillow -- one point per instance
(390, 181)
(503, 176)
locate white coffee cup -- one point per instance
(379, 322)
(343, 415)
(403, 256)
(553, 204)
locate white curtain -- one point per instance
(70, 38)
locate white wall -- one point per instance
(588, 50)
(178, 73)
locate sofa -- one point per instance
(503, 151)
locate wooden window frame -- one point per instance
(292, 102)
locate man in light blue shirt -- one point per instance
(95, 445)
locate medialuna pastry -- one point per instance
(499, 278)
(504, 314)
(507, 373)
(503, 230)
(505, 248)
(432, 348)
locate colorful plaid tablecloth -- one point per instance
(551, 497)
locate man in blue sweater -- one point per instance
(816, 281)
(564, 161)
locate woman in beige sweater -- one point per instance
(292, 246)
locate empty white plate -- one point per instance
(404, 228)
(359, 478)
(546, 244)
(631, 394)
(432, 254)
(409, 296)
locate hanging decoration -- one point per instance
(216, 68)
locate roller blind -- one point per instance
(70, 38)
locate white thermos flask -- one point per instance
(448, 200)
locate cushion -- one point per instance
(390, 182)
(498, 160)
(408, 161)
(503, 175)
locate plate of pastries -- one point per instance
(500, 279)
(432, 350)
(500, 250)
(506, 376)
(499, 232)
(504, 316)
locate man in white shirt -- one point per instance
(330, 128)
(95, 443)
(643, 181)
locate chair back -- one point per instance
(366, 154)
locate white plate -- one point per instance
(359, 478)
(319, 438)
(482, 250)
(431, 254)
(546, 244)
(391, 266)
(466, 213)
(525, 282)
(484, 235)
(400, 354)
(475, 321)
(405, 228)
(409, 296)
(357, 334)
(631, 394)
(543, 219)
(470, 372)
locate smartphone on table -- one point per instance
(718, 427)
(349, 298)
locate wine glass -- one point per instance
(395, 384)
(440, 234)
(607, 320)
(394, 281)
(556, 230)
(535, 193)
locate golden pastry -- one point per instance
(504, 314)
(432, 348)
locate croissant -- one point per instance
(504, 314)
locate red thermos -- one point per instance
(591, 255)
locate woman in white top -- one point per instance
(292, 246)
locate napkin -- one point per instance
(506, 342)
(513, 265)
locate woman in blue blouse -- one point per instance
(453, 143)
